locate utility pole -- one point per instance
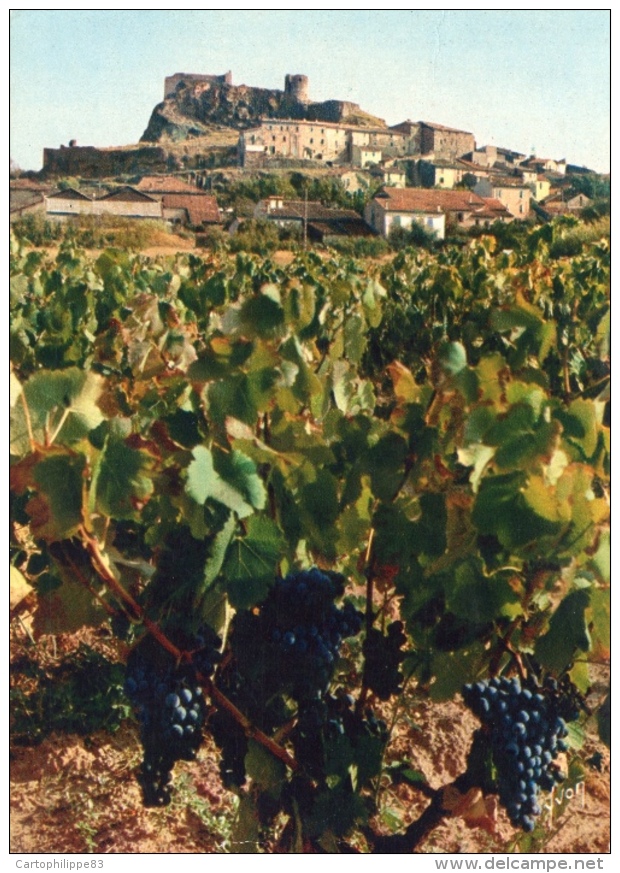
(305, 217)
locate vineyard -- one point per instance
(279, 520)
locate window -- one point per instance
(311, 140)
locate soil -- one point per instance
(75, 794)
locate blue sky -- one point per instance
(530, 80)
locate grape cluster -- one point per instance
(383, 657)
(299, 630)
(527, 728)
(171, 709)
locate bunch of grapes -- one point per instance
(383, 657)
(527, 728)
(170, 705)
(297, 633)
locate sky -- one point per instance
(536, 81)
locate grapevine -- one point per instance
(304, 496)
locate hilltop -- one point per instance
(197, 105)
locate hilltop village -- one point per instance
(208, 132)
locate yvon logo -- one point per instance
(561, 796)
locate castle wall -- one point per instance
(331, 110)
(171, 82)
(93, 163)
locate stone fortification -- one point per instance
(195, 103)
(93, 163)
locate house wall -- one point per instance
(515, 199)
(382, 220)
(445, 144)
(439, 177)
(321, 141)
(61, 206)
(127, 208)
(364, 156)
(542, 187)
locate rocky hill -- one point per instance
(194, 105)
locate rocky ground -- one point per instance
(75, 793)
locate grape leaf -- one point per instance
(568, 632)
(235, 483)
(62, 406)
(123, 478)
(251, 562)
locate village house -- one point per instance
(354, 181)
(445, 143)
(430, 208)
(128, 202)
(511, 192)
(547, 165)
(319, 141)
(26, 196)
(182, 203)
(67, 202)
(319, 222)
(542, 188)
(159, 198)
(339, 143)
(493, 156)
(440, 173)
(392, 176)
(558, 204)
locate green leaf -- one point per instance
(386, 462)
(62, 407)
(452, 670)
(568, 633)
(478, 598)
(263, 315)
(453, 357)
(56, 508)
(251, 562)
(246, 830)
(217, 553)
(604, 721)
(319, 508)
(265, 770)
(235, 483)
(123, 478)
(66, 609)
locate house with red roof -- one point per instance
(431, 208)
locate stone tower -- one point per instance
(296, 87)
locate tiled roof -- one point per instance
(298, 209)
(470, 165)
(200, 208)
(348, 227)
(166, 185)
(128, 194)
(507, 182)
(494, 207)
(68, 194)
(429, 200)
(434, 126)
